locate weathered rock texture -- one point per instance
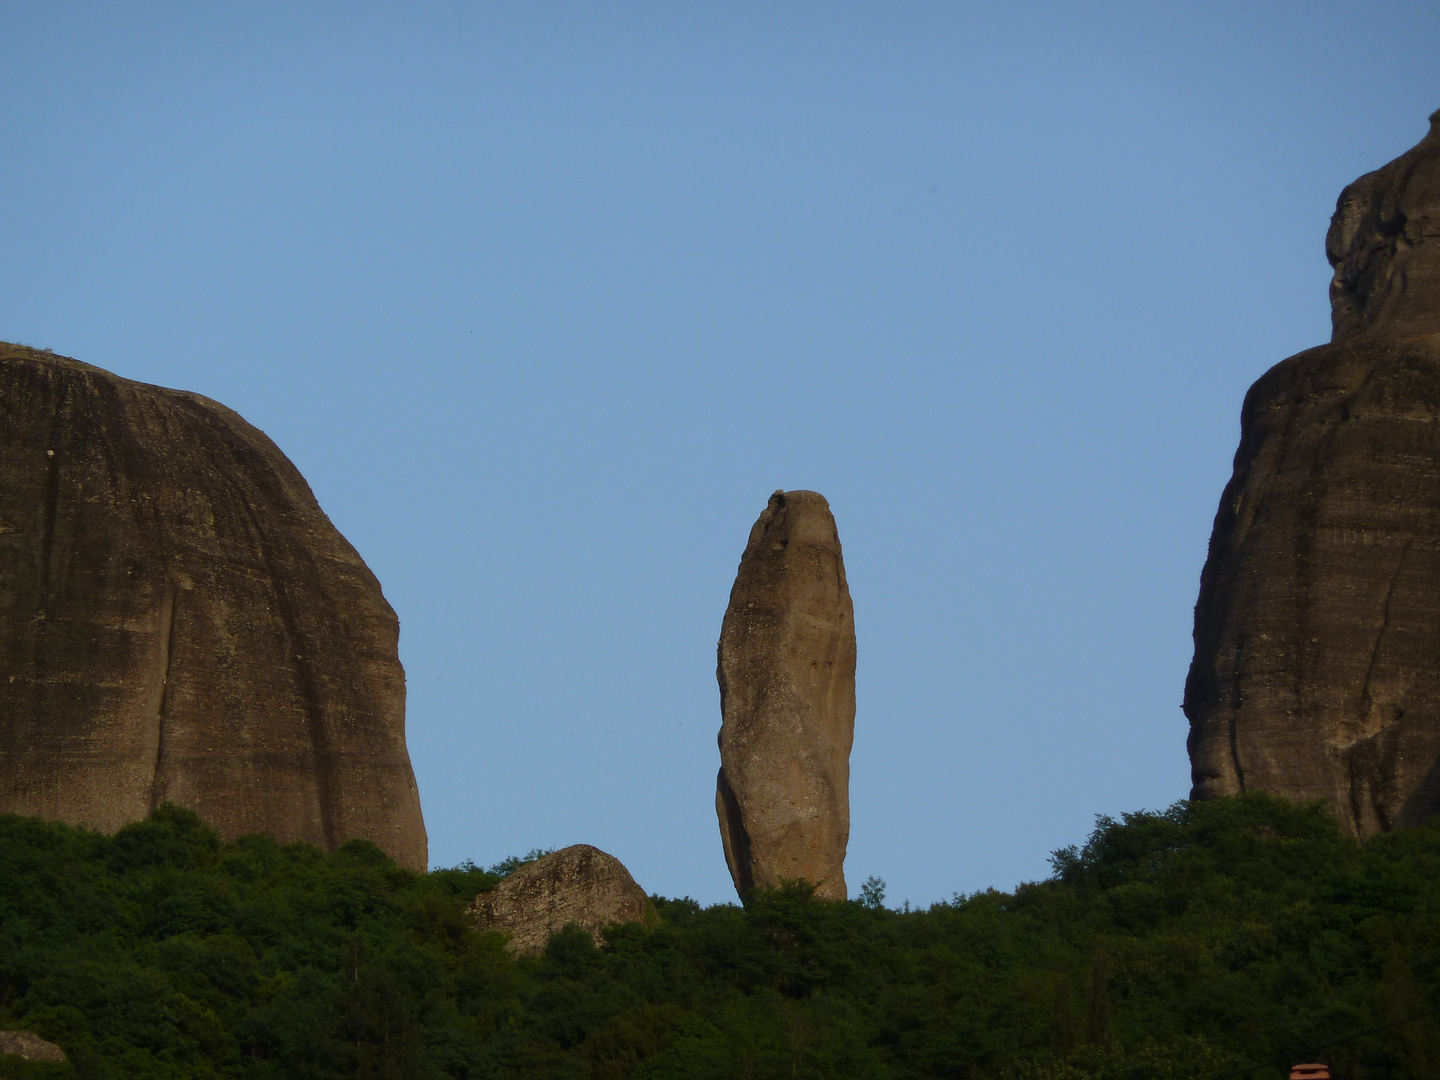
(578, 884)
(180, 621)
(1317, 632)
(24, 1044)
(787, 701)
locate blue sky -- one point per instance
(544, 300)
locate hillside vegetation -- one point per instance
(1182, 944)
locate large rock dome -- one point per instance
(179, 621)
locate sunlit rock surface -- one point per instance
(578, 884)
(180, 621)
(30, 1047)
(787, 700)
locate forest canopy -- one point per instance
(1188, 943)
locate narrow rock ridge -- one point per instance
(1317, 631)
(786, 668)
(180, 621)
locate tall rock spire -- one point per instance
(1317, 632)
(787, 699)
(180, 621)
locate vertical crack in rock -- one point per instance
(1233, 721)
(786, 669)
(733, 837)
(1365, 701)
(51, 512)
(166, 638)
(1330, 528)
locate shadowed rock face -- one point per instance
(578, 884)
(1384, 243)
(1317, 632)
(787, 701)
(180, 622)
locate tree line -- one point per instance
(1180, 945)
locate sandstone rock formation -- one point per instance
(578, 884)
(180, 621)
(1317, 632)
(30, 1047)
(787, 701)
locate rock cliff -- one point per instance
(180, 621)
(578, 884)
(787, 701)
(1317, 632)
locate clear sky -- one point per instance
(545, 299)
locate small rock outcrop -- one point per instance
(1317, 632)
(578, 884)
(786, 668)
(179, 621)
(30, 1047)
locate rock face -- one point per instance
(180, 621)
(24, 1044)
(1317, 632)
(578, 884)
(787, 701)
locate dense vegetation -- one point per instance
(1188, 943)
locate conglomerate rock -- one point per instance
(179, 621)
(579, 884)
(1317, 632)
(787, 701)
(30, 1047)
